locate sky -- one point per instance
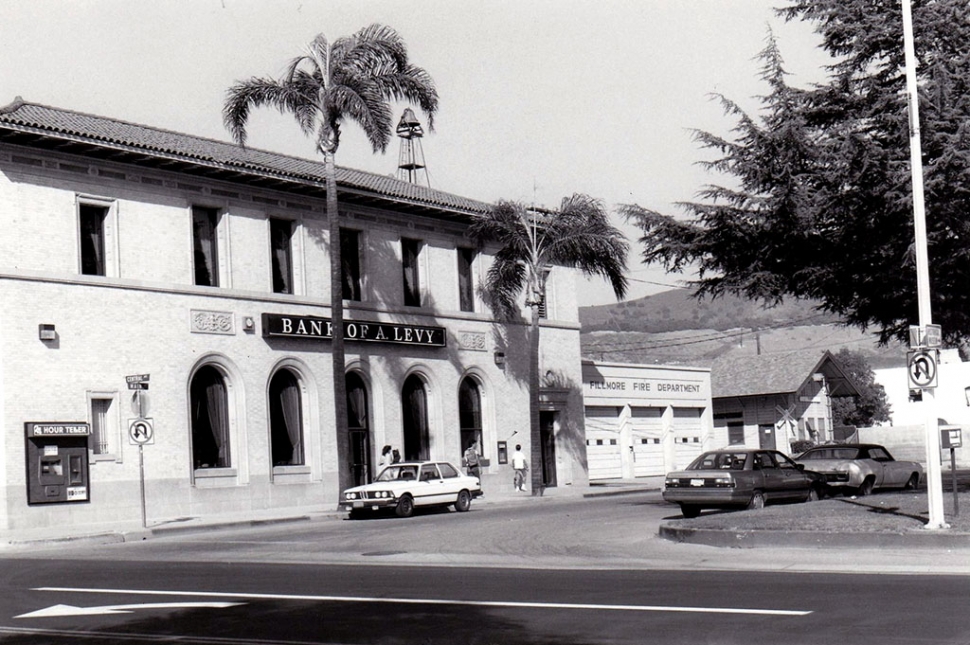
(539, 99)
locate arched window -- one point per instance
(470, 414)
(210, 419)
(358, 426)
(285, 419)
(414, 404)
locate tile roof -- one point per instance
(103, 131)
(782, 373)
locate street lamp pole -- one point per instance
(934, 477)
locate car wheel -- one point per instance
(866, 489)
(913, 482)
(690, 511)
(464, 501)
(757, 501)
(405, 506)
(813, 495)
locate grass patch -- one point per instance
(888, 512)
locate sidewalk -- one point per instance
(133, 531)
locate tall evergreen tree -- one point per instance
(352, 78)
(828, 215)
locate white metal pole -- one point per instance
(934, 476)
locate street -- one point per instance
(489, 576)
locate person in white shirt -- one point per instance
(520, 466)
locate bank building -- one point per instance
(164, 329)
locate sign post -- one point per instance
(952, 437)
(140, 432)
(934, 482)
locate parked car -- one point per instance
(740, 478)
(860, 468)
(410, 484)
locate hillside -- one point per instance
(671, 328)
(676, 310)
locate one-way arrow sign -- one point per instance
(71, 610)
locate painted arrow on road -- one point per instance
(71, 610)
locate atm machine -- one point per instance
(57, 462)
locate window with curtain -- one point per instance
(204, 245)
(470, 415)
(91, 223)
(414, 401)
(350, 263)
(409, 262)
(357, 426)
(281, 254)
(285, 419)
(466, 283)
(543, 305)
(210, 419)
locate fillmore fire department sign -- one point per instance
(311, 327)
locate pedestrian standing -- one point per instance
(520, 466)
(386, 457)
(471, 461)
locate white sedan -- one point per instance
(410, 484)
(860, 468)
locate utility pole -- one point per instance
(934, 477)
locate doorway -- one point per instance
(414, 417)
(547, 440)
(766, 436)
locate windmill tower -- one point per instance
(410, 163)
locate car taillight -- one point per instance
(724, 482)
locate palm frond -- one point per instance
(257, 92)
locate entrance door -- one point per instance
(547, 437)
(766, 436)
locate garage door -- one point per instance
(688, 435)
(603, 448)
(648, 450)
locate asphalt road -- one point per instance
(489, 576)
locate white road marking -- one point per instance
(71, 610)
(437, 601)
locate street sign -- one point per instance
(921, 366)
(138, 381)
(141, 431)
(928, 337)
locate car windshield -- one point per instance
(719, 461)
(831, 453)
(393, 473)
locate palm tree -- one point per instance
(532, 241)
(352, 78)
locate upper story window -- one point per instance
(350, 263)
(96, 227)
(466, 282)
(281, 254)
(410, 253)
(92, 238)
(543, 299)
(205, 222)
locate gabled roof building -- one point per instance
(771, 400)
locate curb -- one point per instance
(748, 539)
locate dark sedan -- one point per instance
(740, 478)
